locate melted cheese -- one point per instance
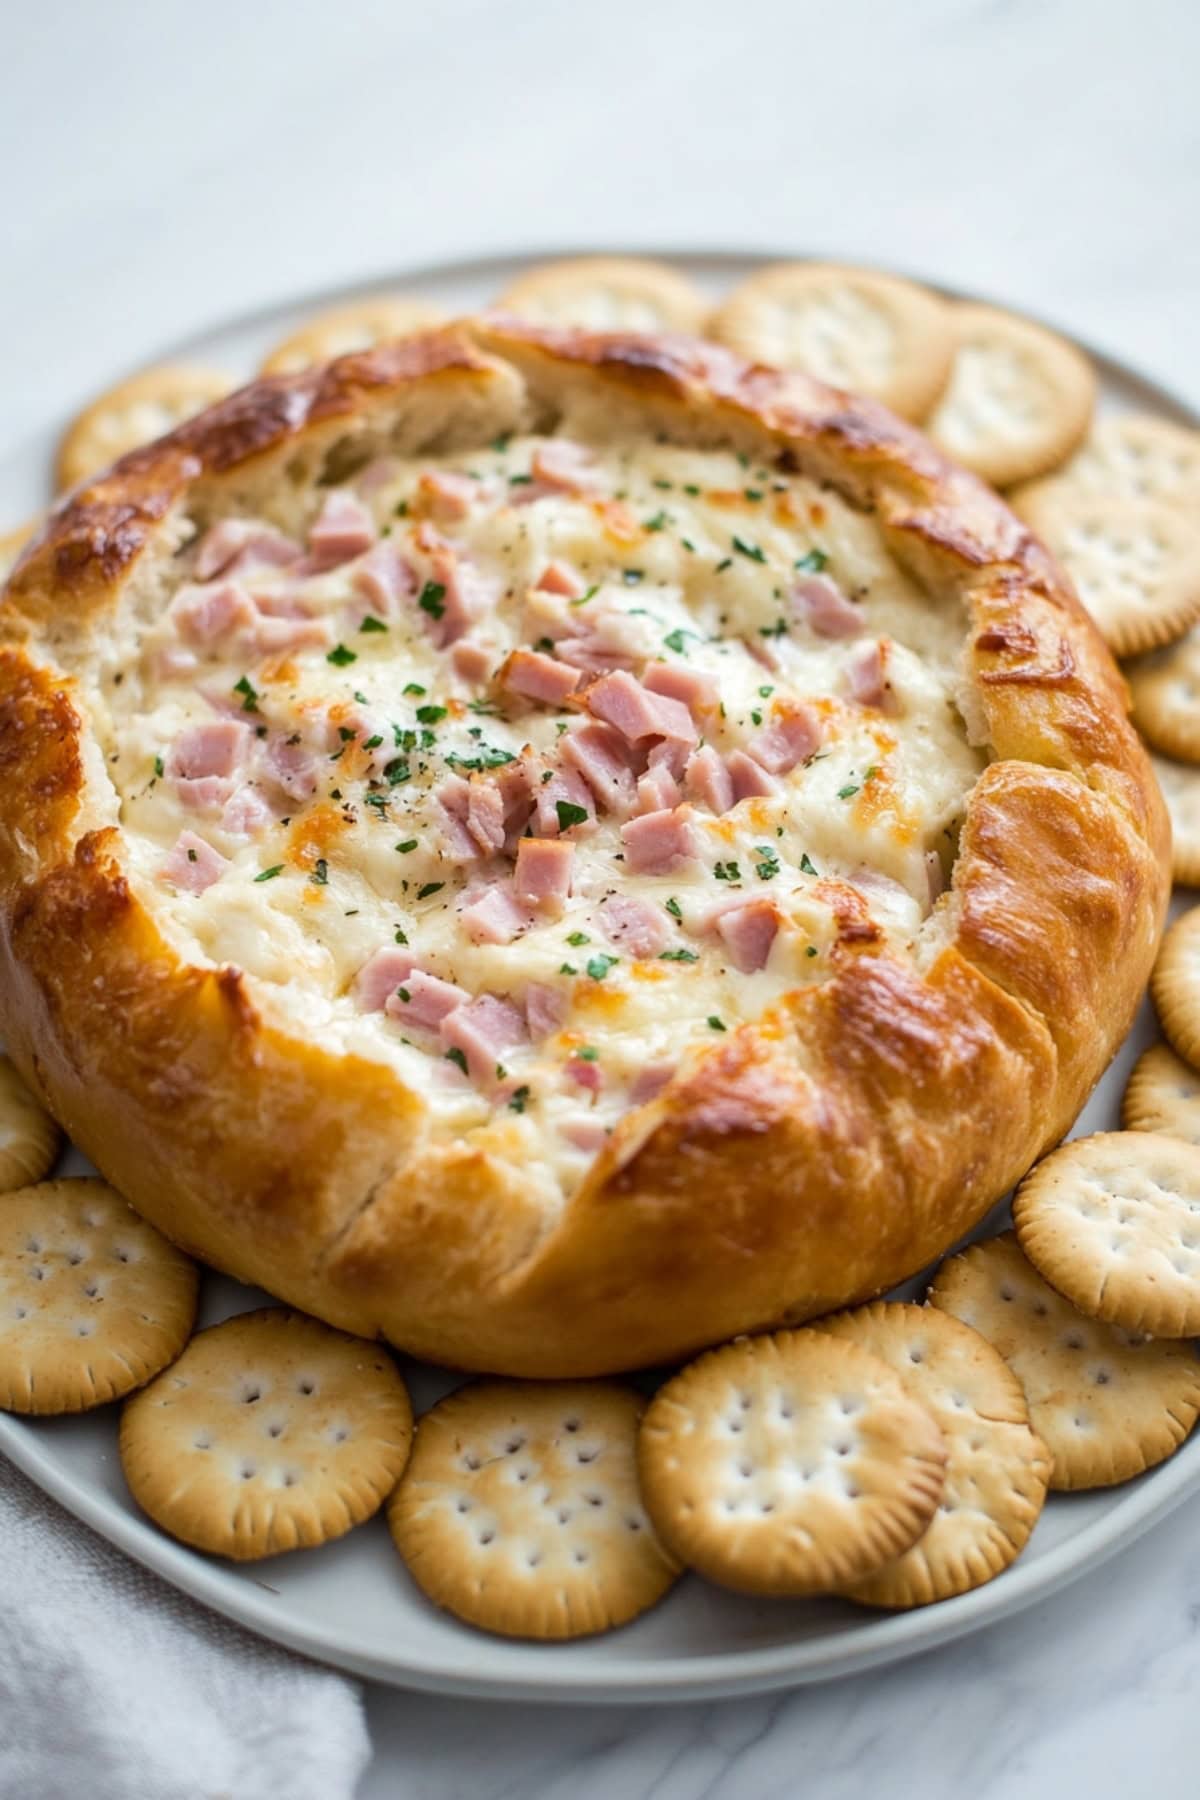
(692, 557)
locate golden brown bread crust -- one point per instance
(813, 1159)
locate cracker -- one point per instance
(346, 329)
(1134, 456)
(1163, 1094)
(520, 1513)
(874, 334)
(93, 1301)
(998, 1467)
(1019, 398)
(1135, 564)
(606, 293)
(789, 1464)
(133, 413)
(1175, 985)
(1165, 688)
(29, 1137)
(1113, 1222)
(1180, 784)
(272, 1432)
(1107, 1405)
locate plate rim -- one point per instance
(888, 1637)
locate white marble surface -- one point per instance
(163, 164)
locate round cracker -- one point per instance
(1163, 1094)
(854, 328)
(1113, 1222)
(1180, 784)
(1134, 456)
(93, 1301)
(520, 1513)
(133, 413)
(1106, 1404)
(346, 329)
(997, 1469)
(29, 1137)
(1135, 564)
(606, 293)
(1175, 985)
(272, 1432)
(790, 1464)
(1165, 687)
(1019, 398)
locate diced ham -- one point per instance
(291, 767)
(271, 636)
(380, 976)
(216, 747)
(385, 580)
(446, 495)
(472, 815)
(586, 1075)
(604, 638)
(707, 780)
(649, 1081)
(601, 756)
(867, 677)
(750, 780)
(561, 467)
(586, 1134)
(748, 929)
(634, 926)
(636, 713)
(763, 651)
(545, 1008)
(342, 530)
(567, 788)
(424, 1000)
(543, 873)
(692, 689)
(658, 842)
(792, 736)
(658, 790)
(246, 812)
(485, 813)
(822, 604)
(204, 793)
(202, 614)
(546, 615)
(516, 782)
(192, 864)
(471, 659)
(561, 578)
(669, 754)
(483, 1030)
(465, 594)
(245, 544)
(496, 917)
(536, 676)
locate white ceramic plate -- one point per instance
(352, 1603)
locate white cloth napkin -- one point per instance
(114, 1686)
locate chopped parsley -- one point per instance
(848, 792)
(397, 771)
(675, 640)
(320, 874)
(518, 1098)
(414, 687)
(488, 758)
(753, 493)
(750, 550)
(678, 956)
(769, 866)
(271, 873)
(764, 693)
(371, 623)
(428, 888)
(373, 743)
(673, 908)
(689, 487)
(587, 1053)
(569, 814)
(158, 765)
(599, 965)
(806, 867)
(345, 733)
(340, 656)
(457, 1056)
(500, 444)
(487, 707)
(590, 594)
(429, 715)
(657, 523)
(726, 562)
(249, 695)
(811, 951)
(401, 936)
(433, 599)
(727, 871)
(813, 563)
(715, 1023)
(578, 937)
(776, 630)
(406, 846)
(520, 480)
(567, 969)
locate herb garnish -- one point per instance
(433, 599)
(340, 656)
(249, 695)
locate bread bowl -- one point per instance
(233, 1059)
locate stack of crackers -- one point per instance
(895, 1454)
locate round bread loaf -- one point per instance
(558, 848)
